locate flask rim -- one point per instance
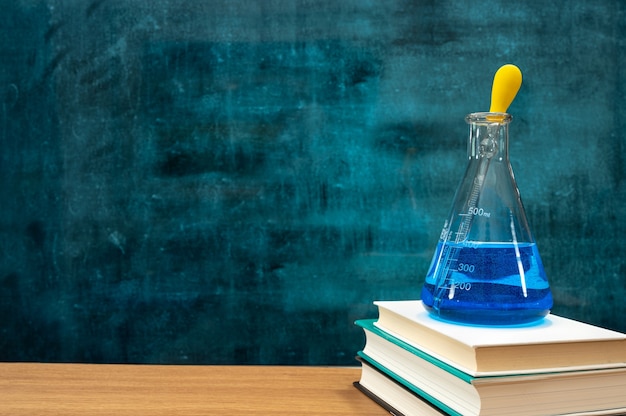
(487, 117)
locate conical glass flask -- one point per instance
(486, 268)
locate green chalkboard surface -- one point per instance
(237, 181)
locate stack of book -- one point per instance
(414, 364)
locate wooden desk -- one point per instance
(88, 389)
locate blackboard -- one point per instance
(236, 181)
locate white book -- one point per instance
(553, 344)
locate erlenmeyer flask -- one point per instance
(486, 268)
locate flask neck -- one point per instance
(488, 136)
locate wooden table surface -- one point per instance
(104, 389)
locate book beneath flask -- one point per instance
(411, 360)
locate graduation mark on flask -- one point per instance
(467, 268)
(461, 286)
(477, 212)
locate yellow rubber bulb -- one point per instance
(506, 83)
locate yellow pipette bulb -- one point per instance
(506, 83)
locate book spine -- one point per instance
(368, 325)
(409, 386)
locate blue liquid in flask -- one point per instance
(487, 283)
